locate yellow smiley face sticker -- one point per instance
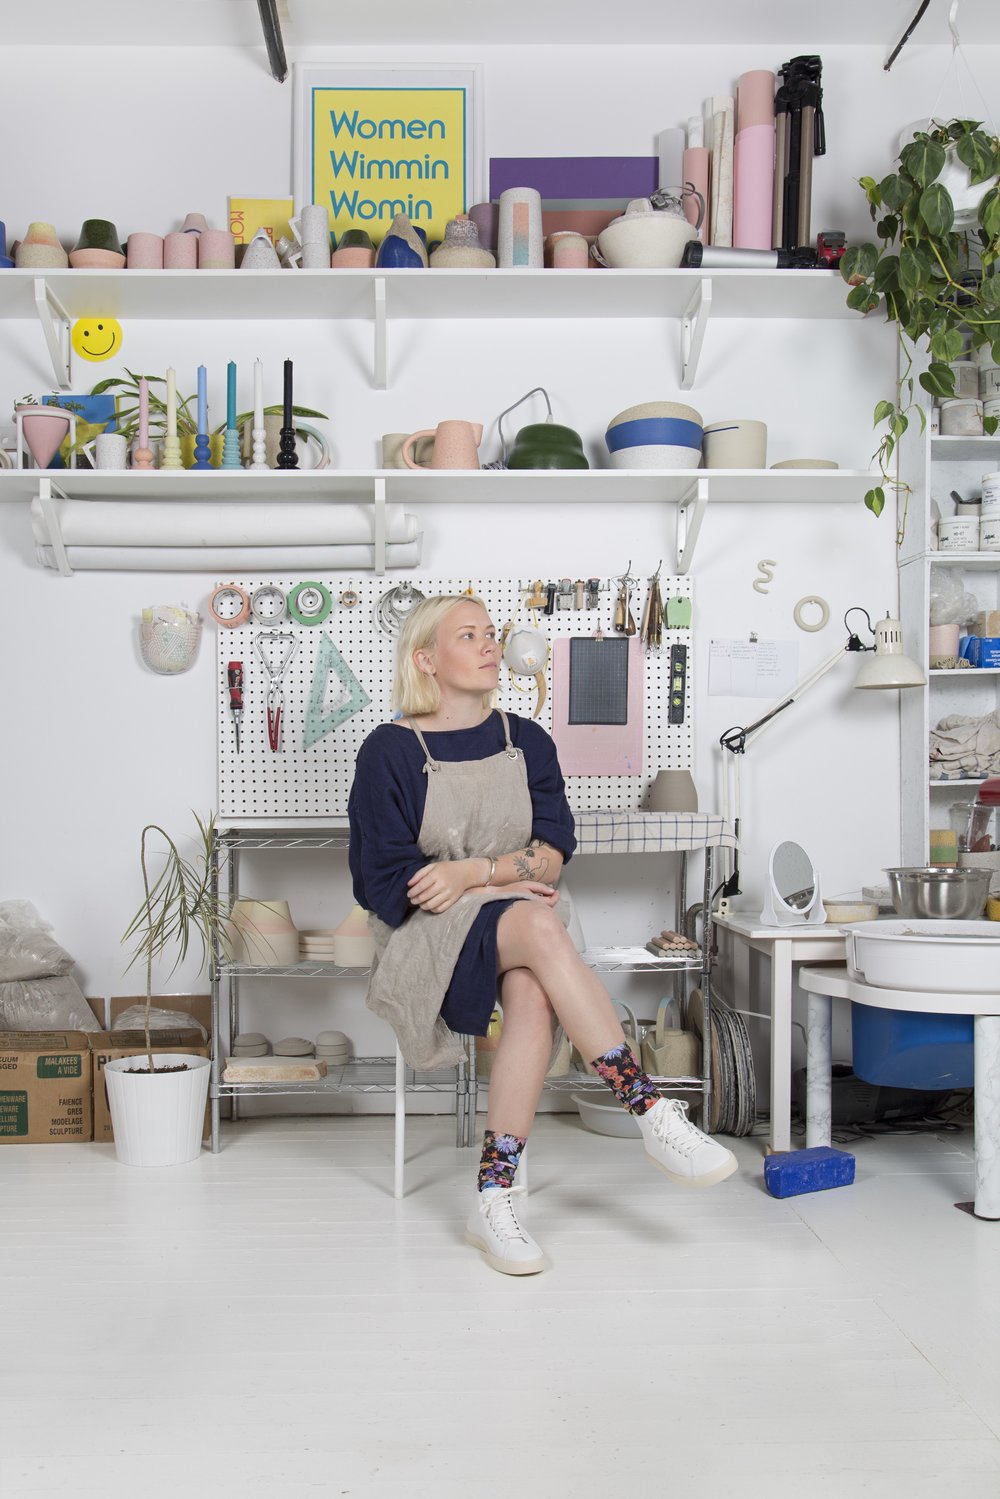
(97, 337)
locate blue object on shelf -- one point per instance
(912, 1049)
(789, 1173)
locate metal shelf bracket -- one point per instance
(690, 514)
(51, 521)
(378, 527)
(379, 361)
(693, 325)
(55, 322)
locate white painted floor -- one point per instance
(268, 1323)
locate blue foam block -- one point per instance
(791, 1172)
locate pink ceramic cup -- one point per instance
(145, 252)
(216, 250)
(180, 252)
(568, 250)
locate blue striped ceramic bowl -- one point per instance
(656, 434)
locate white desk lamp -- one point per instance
(885, 666)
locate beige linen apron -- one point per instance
(473, 808)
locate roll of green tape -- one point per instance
(309, 603)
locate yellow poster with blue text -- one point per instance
(377, 152)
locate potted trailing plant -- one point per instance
(158, 1101)
(933, 271)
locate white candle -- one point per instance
(171, 403)
(143, 412)
(258, 393)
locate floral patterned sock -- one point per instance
(632, 1087)
(501, 1154)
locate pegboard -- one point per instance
(298, 784)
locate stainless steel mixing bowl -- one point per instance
(939, 892)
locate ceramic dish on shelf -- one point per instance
(806, 463)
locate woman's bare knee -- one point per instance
(529, 930)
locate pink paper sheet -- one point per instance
(597, 749)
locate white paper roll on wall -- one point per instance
(145, 523)
(230, 559)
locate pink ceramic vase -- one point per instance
(44, 428)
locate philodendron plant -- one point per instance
(934, 278)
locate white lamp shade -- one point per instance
(887, 666)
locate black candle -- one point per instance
(287, 418)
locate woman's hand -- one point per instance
(547, 893)
(436, 887)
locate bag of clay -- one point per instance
(134, 1019)
(27, 948)
(46, 1004)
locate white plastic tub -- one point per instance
(960, 957)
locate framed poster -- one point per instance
(373, 142)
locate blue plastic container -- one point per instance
(911, 1049)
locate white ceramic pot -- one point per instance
(158, 1119)
(961, 418)
(735, 444)
(958, 534)
(991, 490)
(656, 457)
(989, 533)
(268, 938)
(643, 237)
(989, 381)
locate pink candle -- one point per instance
(143, 413)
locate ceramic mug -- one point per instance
(566, 250)
(108, 450)
(392, 450)
(312, 226)
(144, 252)
(180, 251)
(456, 445)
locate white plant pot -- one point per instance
(158, 1120)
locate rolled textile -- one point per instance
(753, 187)
(238, 523)
(697, 160)
(231, 559)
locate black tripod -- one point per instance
(800, 135)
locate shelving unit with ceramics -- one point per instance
(934, 466)
(688, 297)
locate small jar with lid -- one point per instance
(962, 417)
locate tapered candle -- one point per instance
(202, 398)
(231, 394)
(258, 393)
(287, 419)
(171, 403)
(143, 412)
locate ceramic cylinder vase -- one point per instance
(735, 444)
(568, 251)
(144, 252)
(216, 250)
(180, 252)
(672, 791)
(519, 229)
(486, 218)
(264, 934)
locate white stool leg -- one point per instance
(399, 1159)
(987, 1115)
(819, 1070)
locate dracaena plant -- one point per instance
(935, 280)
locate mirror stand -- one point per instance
(793, 896)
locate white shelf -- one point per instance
(979, 562)
(956, 785)
(960, 671)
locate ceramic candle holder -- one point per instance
(519, 231)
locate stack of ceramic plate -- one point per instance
(251, 1044)
(316, 947)
(294, 1046)
(334, 1047)
(734, 1086)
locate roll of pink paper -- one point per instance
(753, 187)
(755, 99)
(697, 164)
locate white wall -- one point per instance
(94, 745)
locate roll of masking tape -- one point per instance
(267, 604)
(309, 603)
(230, 605)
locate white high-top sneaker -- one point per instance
(680, 1150)
(492, 1226)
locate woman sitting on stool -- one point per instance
(459, 832)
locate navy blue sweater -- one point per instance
(386, 808)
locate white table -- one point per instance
(825, 984)
(787, 947)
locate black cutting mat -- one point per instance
(598, 680)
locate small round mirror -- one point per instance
(794, 876)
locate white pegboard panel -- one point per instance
(299, 785)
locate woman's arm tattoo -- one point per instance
(531, 863)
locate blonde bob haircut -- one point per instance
(413, 691)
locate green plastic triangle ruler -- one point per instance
(320, 717)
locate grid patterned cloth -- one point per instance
(650, 832)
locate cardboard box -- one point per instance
(45, 1088)
(108, 1046)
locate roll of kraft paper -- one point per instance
(240, 524)
(753, 187)
(230, 559)
(697, 162)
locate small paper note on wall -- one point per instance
(752, 668)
